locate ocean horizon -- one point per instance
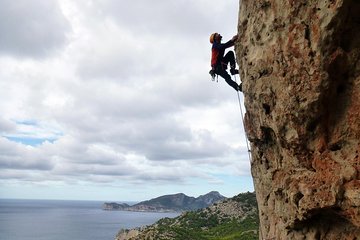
(33, 219)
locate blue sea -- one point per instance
(63, 220)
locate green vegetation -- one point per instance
(231, 219)
(193, 227)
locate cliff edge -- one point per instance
(300, 68)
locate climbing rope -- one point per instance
(249, 151)
(242, 119)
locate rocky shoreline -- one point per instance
(113, 206)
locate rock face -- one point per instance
(300, 67)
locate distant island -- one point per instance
(168, 203)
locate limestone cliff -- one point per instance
(300, 67)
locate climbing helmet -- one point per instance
(212, 37)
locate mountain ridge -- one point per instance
(168, 203)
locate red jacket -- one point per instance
(217, 52)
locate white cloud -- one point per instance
(17, 156)
(6, 126)
(124, 99)
(31, 28)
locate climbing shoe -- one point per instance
(240, 87)
(212, 73)
(234, 71)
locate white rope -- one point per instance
(242, 119)
(249, 152)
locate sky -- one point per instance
(112, 100)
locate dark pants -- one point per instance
(221, 69)
(229, 58)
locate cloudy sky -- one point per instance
(112, 100)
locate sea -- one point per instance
(67, 220)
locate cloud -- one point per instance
(31, 28)
(199, 145)
(164, 18)
(125, 41)
(18, 156)
(6, 126)
(125, 98)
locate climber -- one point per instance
(219, 62)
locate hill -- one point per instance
(169, 203)
(230, 219)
